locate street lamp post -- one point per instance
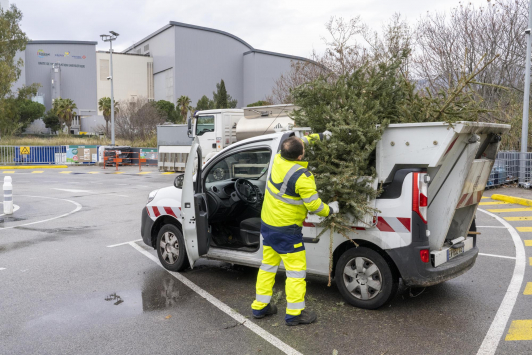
(110, 38)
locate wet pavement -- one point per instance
(64, 291)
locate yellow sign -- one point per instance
(25, 150)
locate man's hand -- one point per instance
(334, 208)
(327, 135)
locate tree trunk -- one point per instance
(107, 128)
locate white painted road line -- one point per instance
(491, 227)
(2, 268)
(498, 256)
(496, 330)
(78, 207)
(270, 338)
(116, 245)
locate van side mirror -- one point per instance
(189, 122)
(178, 181)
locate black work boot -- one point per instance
(266, 311)
(306, 317)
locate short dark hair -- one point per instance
(292, 148)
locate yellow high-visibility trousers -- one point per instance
(296, 266)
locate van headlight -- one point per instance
(151, 196)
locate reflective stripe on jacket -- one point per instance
(290, 193)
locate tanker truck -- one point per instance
(217, 129)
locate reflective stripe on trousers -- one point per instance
(295, 265)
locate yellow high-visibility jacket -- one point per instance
(290, 193)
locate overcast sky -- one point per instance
(286, 26)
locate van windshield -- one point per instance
(204, 124)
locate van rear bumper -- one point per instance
(416, 273)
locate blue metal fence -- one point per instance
(19, 155)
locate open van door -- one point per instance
(196, 229)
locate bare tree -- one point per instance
(345, 53)
(138, 119)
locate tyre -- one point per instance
(365, 279)
(171, 248)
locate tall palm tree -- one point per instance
(104, 105)
(183, 104)
(65, 109)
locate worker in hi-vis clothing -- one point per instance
(290, 193)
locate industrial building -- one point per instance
(178, 59)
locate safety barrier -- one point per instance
(511, 167)
(119, 157)
(19, 155)
(525, 167)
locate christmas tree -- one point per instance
(356, 108)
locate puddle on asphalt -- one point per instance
(158, 291)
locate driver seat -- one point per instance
(250, 231)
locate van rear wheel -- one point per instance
(171, 248)
(365, 279)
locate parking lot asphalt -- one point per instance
(63, 290)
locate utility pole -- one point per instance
(524, 131)
(110, 39)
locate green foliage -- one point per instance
(65, 110)
(221, 97)
(183, 107)
(104, 105)
(52, 121)
(12, 39)
(356, 108)
(204, 104)
(18, 112)
(259, 103)
(168, 109)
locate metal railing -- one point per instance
(21, 155)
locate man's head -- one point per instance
(293, 149)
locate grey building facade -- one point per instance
(77, 63)
(189, 60)
(65, 69)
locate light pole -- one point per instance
(110, 38)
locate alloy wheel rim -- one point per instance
(169, 248)
(362, 278)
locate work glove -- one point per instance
(334, 208)
(327, 135)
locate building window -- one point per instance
(104, 69)
(146, 48)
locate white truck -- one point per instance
(433, 177)
(217, 129)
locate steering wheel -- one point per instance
(246, 191)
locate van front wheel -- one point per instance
(171, 248)
(365, 279)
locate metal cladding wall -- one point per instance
(261, 69)
(161, 47)
(208, 58)
(190, 60)
(78, 71)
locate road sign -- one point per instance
(25, 150)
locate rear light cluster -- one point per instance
(424, 254)
(419, 196)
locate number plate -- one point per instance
(451, 253)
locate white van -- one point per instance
(433, 176)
